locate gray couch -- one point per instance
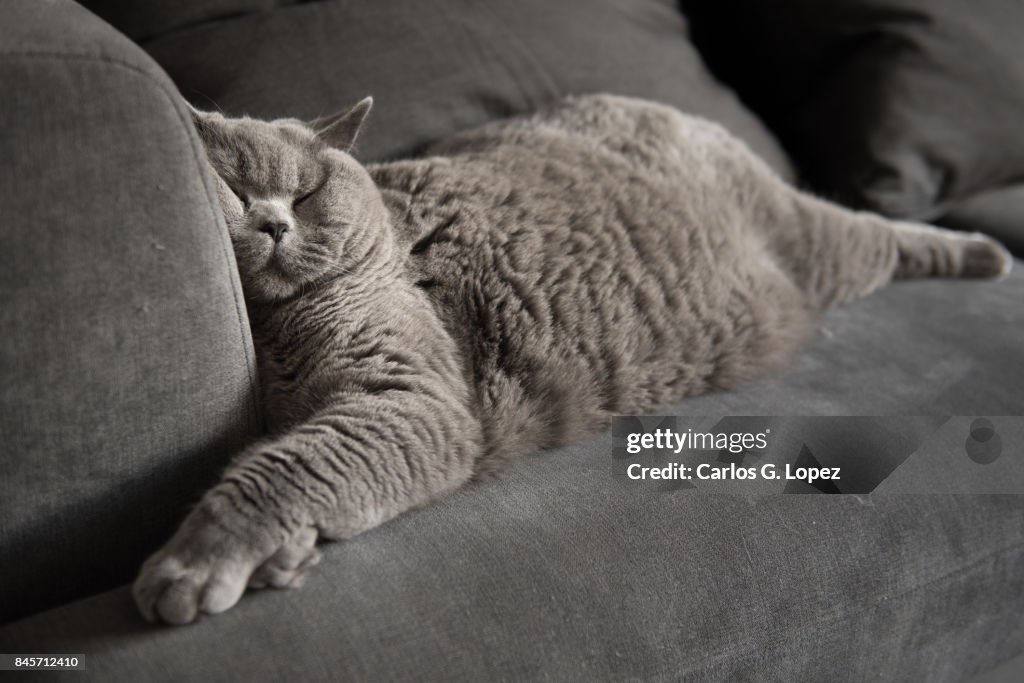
(127, 379)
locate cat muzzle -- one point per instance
(276, 229)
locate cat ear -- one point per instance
(340, 130)
(205, 122)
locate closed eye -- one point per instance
(242, 197)
(301, 199)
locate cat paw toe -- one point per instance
(983, 257)
(207, 565)
(287, 567)
(167, 590)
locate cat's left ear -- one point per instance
(340, 130)
(206, 123)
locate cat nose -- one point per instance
(275, 229)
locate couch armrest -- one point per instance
(126, 369)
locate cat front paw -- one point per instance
(207, 565)
(287, 567)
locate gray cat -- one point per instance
(419, 323)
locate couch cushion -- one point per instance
(435, 68)
(126, 368)
(497, 584)
(556, 572)
(900, 106)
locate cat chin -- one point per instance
(268, 286)
(265, 273)
(269, 295)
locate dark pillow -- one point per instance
(438, 67)
(900, 106)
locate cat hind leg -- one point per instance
(928, 251)
(836, 255)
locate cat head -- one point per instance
(299, 208)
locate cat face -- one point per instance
(298, 207)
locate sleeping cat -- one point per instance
(419, 323)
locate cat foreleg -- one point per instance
(334, 476)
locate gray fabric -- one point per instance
(1011, 671)
(142, 19)
(554, 572)
(495, 584)
(116, 414)
(435, 68)
(126, 372)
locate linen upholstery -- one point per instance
(435, 68)
(126, 368)
(553, 571)
(557, 572)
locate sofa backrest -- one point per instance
(127, 375)
(434, 68)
